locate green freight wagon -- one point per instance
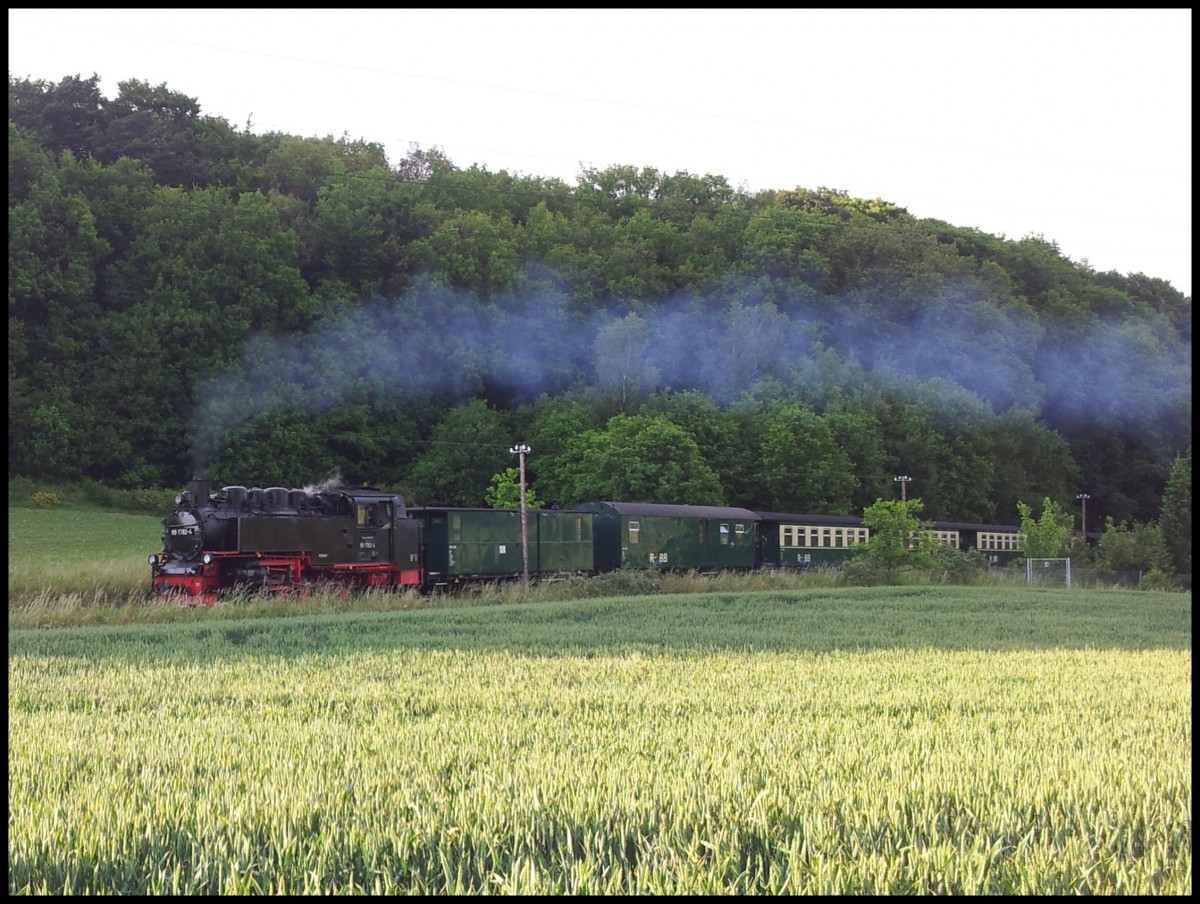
(649, 535)
(473, 544)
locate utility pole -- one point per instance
(904, 481)
(1083, 498)
(522, 450)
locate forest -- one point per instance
(189, 298)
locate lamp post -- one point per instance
(904, 481)
(521, 450)
(1083, 498)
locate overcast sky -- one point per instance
(1072, 125)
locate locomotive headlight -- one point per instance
(206, 558)
(152, 559)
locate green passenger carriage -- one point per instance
(804, 541)
(1001, 544)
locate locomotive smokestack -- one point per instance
(200, 489)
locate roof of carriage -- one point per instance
(792, 518)
(649, 509)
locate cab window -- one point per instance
(374, 514)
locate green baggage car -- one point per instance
(482, 544)
(650, 535)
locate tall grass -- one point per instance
(86, 552)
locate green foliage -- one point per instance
(786, 242)
(960, 566)
(464, 452)
(1177, 514)
(504, 492)
(282, 448)
(723, 435)
(361, 228)
(899, 539)
(48, 448)
(804, 469)
(1027, 457)
(1136, 548)
(42, 499)
(640, 459)
(624, 368)
(472, 252)
(1048, 536)
(1156, 579)
(163, 130)
(555, 424)
(68, 116)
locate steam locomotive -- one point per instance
(278, 539)
(300, 540)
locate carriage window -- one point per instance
(740, 533)
(724, 534)
(825, 538)
(635, 529)
(456, 529)
(579, 528)
(997, 541)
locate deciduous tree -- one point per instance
(899, 539)
(1048, 536)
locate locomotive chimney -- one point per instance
(200, 489)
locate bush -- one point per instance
(863, 571)
(152, 500)
(42, 499)
(960, 566)
(1157, 579)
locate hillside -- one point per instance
(269, 309)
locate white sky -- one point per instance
(1073, 125)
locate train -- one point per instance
(280, 540)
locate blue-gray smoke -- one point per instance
(435, 342)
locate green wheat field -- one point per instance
(887, 740)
